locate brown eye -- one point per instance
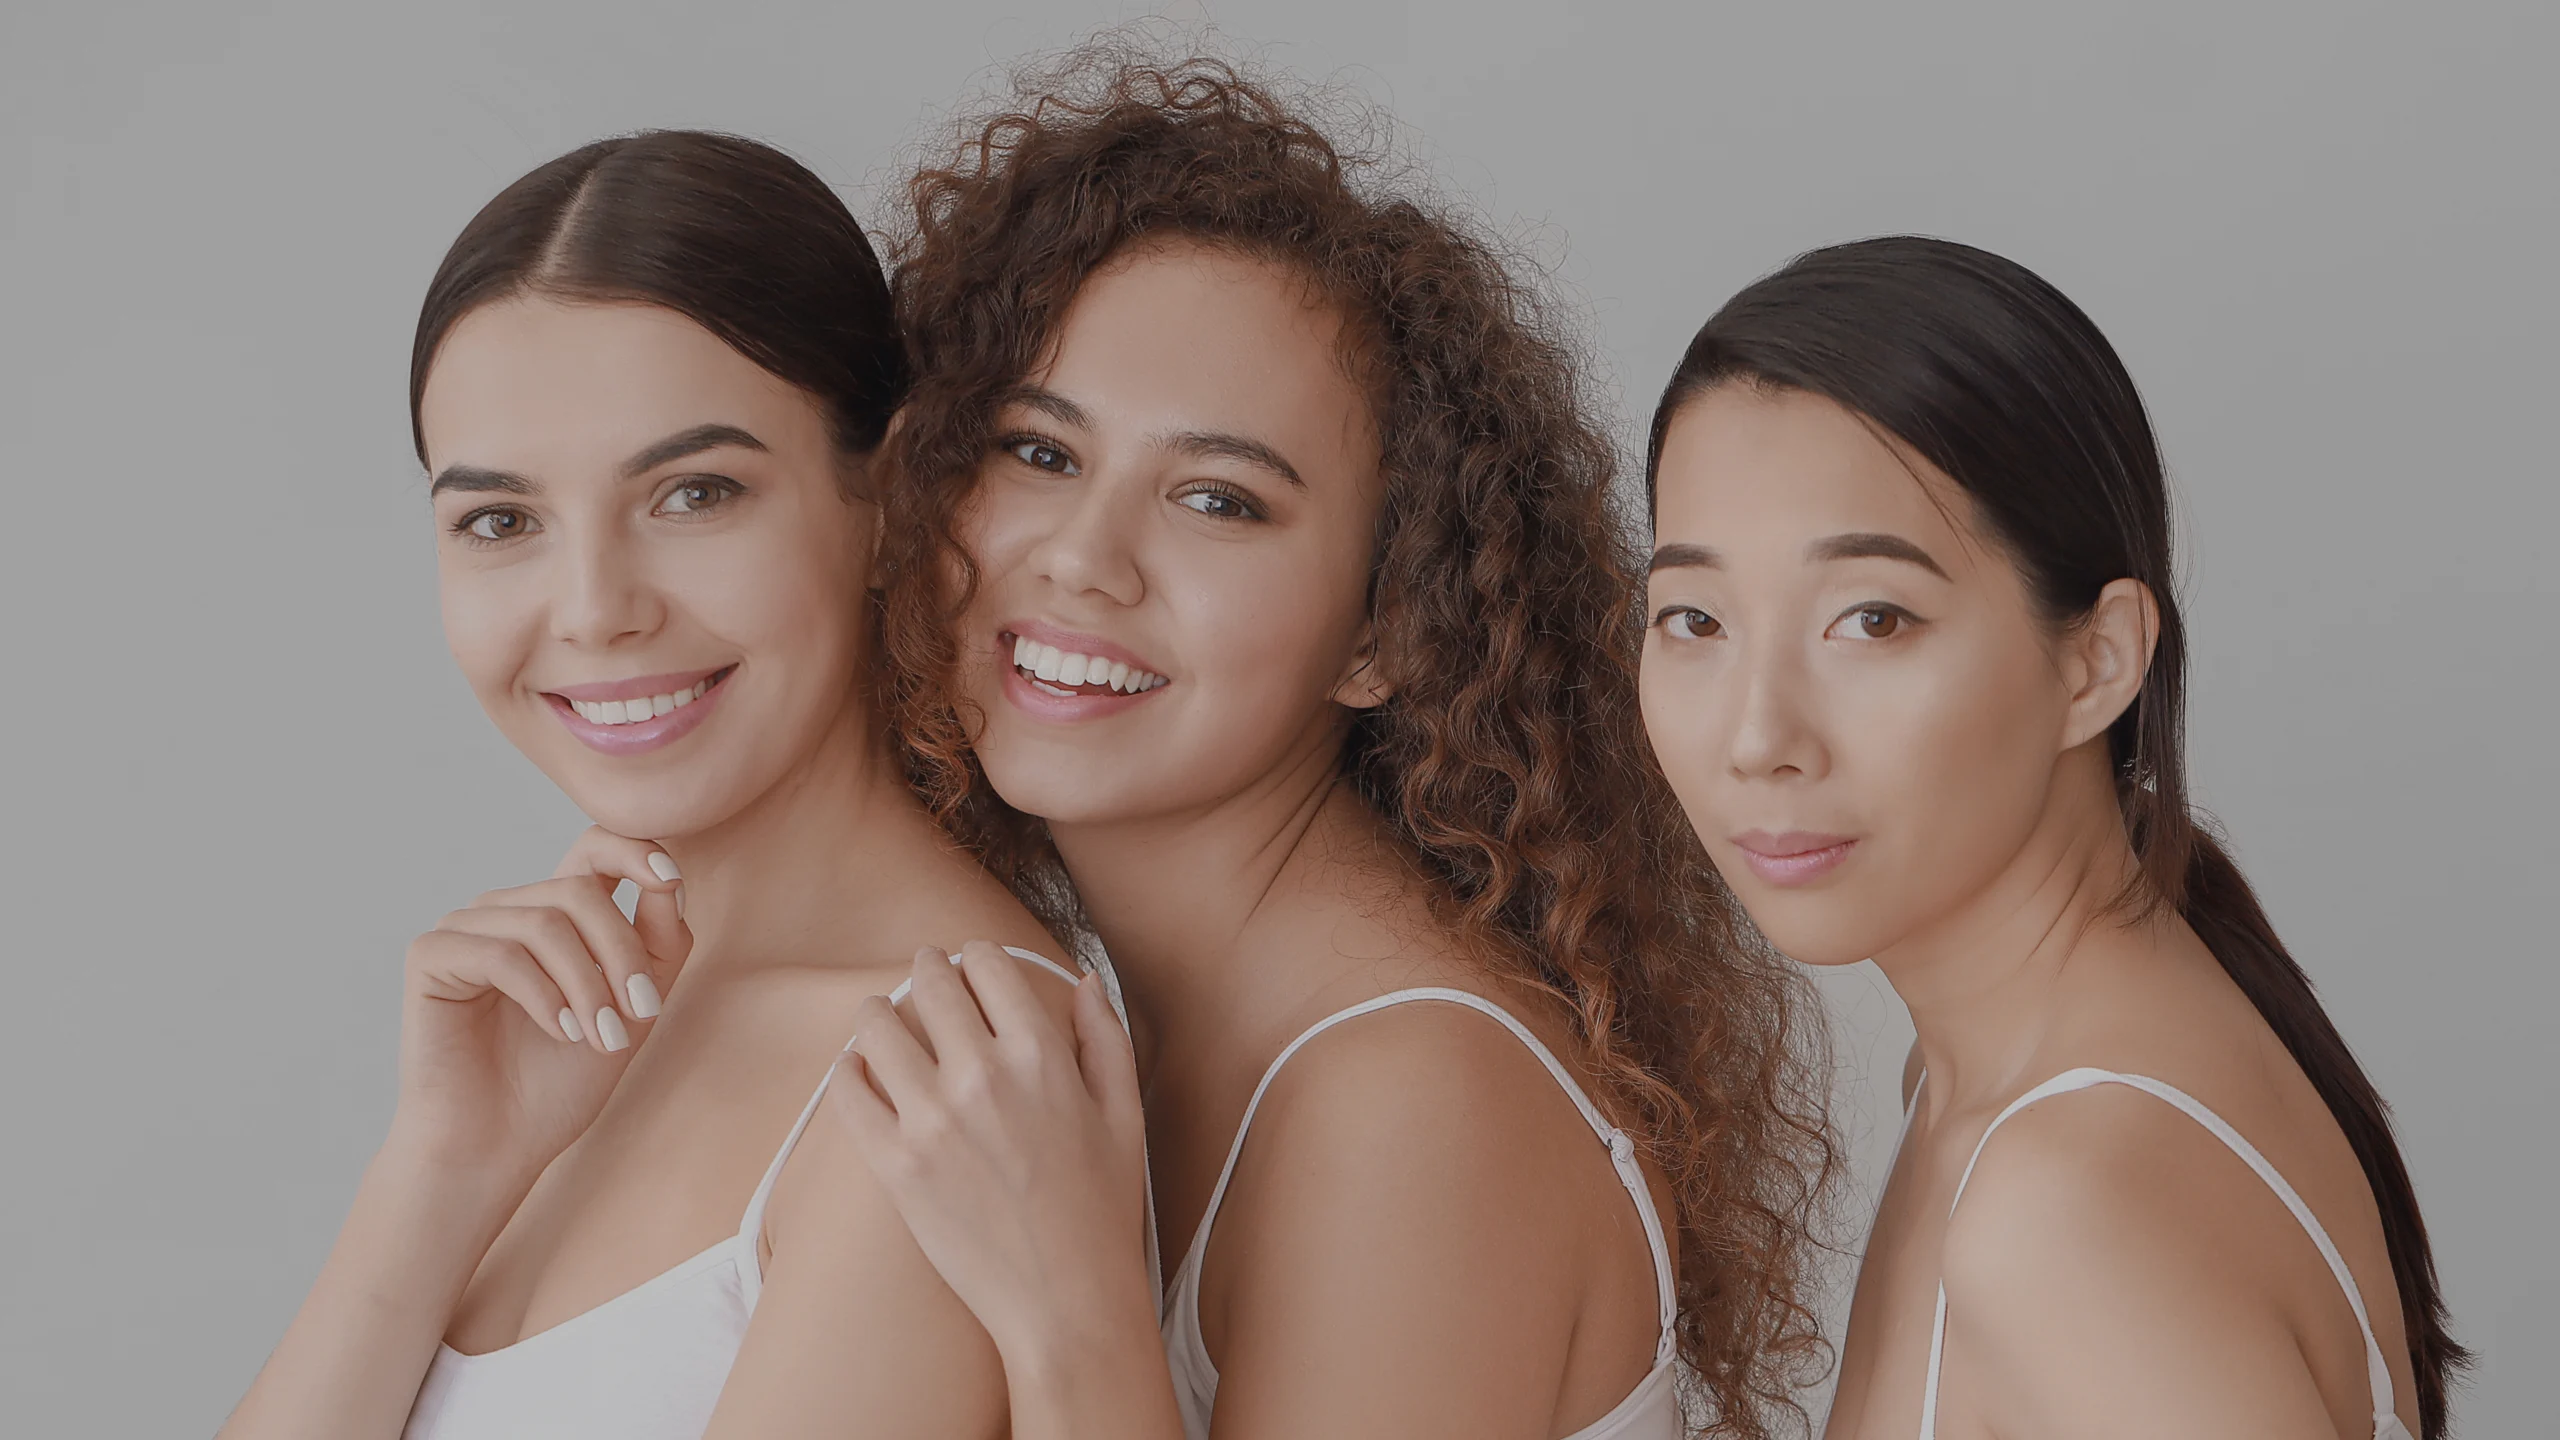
(1869, 622)
(494, 524)
(1687, 622)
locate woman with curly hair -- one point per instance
(1259, 608)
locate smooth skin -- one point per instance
(1421, 1237)
(1837, 648)
(788, 874)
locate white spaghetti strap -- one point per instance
(751, 1225)
(2377, 1370)
(1621, 1146)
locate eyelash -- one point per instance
(1896, 613)
(1662, 621)
(1243, 502)
(722, 487)
(461, 529)
(1900, 617)
(1014, 445)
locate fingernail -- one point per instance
(679, 902)
(644, 995)
(662, 866)
(569, 1024)
(609, 1030)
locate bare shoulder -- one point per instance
(2107, 1245)
(1431, 1238)
(1421, 1116)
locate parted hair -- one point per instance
(1509, 762)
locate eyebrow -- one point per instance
(478, 479)
(1198, 444)
(1050, 403)
(1216, 445)
(689, 442)
(1867, 545)
(1685, 557)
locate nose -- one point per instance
(1773, 737)
(601, 593)
(1089, 553)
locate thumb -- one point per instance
(659, 917)
(1108, 1063)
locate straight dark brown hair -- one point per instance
(732, 234)
(2001, 382)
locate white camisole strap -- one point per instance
(751, 1225)
(2386, 1419)
(1621, 1146)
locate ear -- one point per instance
(1363, 685)
(2105, 657)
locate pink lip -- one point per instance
(640, 735)
(1041, 703)
(1792, 857)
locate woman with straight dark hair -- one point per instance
(648, 382)
(1915, 667)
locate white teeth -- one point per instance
(648, 707)
(1069, 670)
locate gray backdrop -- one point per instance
(2321, 234)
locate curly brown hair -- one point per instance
(1510, 760)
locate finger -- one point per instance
(659, 917)
(456, 967)
(629, 970)
(556, 945)
(1107, 1060)
(659, 913)
(599, 851)
(860, 1108)
(941, 1000)
(1004, 994)
(891, 1056)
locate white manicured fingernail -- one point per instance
(644, 995)
(662, 866)
(609, 1030)
(569, 1024)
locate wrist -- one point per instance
(1110, 1348)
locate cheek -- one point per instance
(492, 622)
(1954, 772)
(1683, 726)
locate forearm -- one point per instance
(349, 1366)
(1095, 1381)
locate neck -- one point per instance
(1172, 895)
(1988, 981)
(834, 835)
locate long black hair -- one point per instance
(2001, 382)
(731, 233)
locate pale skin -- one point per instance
(1837, 651)
(1421, 1237)
(619, 494)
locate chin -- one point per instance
(1811, 929)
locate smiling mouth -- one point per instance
(644, 707)
(1065, 672)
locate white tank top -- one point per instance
(1651, 1411)
(647, 1364)
(2386, 1417)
